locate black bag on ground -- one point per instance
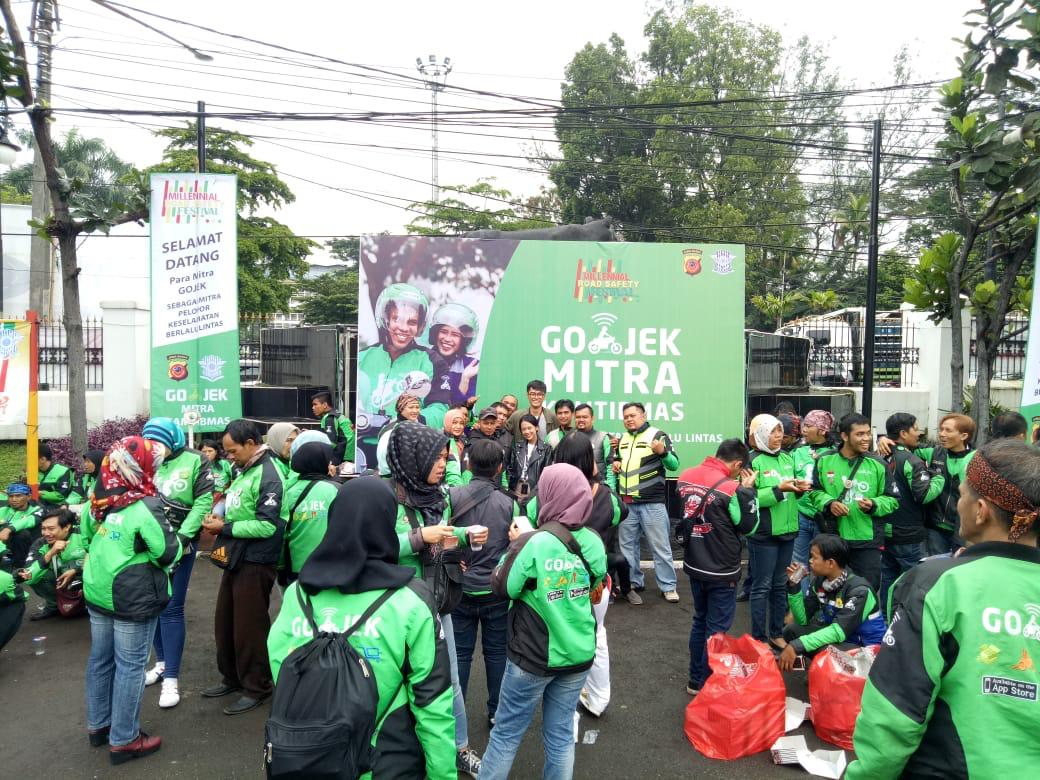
(324, 710)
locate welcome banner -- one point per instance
(194, 282)
(1031, 379)
(450, 319)
(15, 343)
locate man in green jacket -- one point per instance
(602, 448)
(55, 561)
(564, 410)
(955, 689)
(251, 534)
(337, 427)
(19, 521)
(852, 491)
(55, 479)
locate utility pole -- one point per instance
(41, 250)
(200, 129)
(436, 74)
(872, 261)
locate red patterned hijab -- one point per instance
(126, 475)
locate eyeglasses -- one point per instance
(535, 394)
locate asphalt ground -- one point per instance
(640, 734)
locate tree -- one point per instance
(477, 206)
(269, 253)
(330, 298)
(991, 146)
(73, 215)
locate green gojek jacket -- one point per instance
(777, 511)
(56, 484)
(951, 466)
(20, 519)
(340, 431)
(254, 512)
(127, 567)
(381, 380)
(82, 488)
(915, 486)
(10, 591)
(402, 643)
(831, 483)
(306, 520)
(222, 475)
(186, 482)
(411, 540)
(70, 558)
(551, 626)
(805, 456)
(955, 690)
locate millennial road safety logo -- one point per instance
(190, 202)
(211, 368)
(596, 284)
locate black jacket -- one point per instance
(540, 458)
(494, 511)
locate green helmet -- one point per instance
(456, 315)
(401, 293)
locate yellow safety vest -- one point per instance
(641, 467)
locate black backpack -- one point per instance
(324, 710)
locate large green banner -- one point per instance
(194, 283)
(448, 319)
(1031, 377)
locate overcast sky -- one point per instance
(353, 177)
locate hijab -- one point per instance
(305, 437)
(311, 461)
(411, 452)
(277, 435)
(564, 494)
(360, 549)
(402, 401)
(761, 429)
(95, 457)
(126, 475)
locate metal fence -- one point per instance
(1010, 362)
(836, 356)
(54, 355)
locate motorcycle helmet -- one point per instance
(401, 293)
(458, 316)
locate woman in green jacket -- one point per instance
(771, 546)
(127, 585)
(353, 565)
(309, 499)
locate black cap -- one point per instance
(488, 411)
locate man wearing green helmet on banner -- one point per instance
(452, 331)
(395, 365)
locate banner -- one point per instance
(1031, 377)
(15, 342)
(601, 323)
(194, 282)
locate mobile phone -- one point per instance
(522, 524)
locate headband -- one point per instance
(18, 489)
(985, 481)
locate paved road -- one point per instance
(640, 735)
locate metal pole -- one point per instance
(872, 262)
(433, 92)
(201, 136)
(436, 75)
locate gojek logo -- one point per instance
(603, 341)
(999, 621)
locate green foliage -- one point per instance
(477, 206)
(928, 286)
(269, 253)
(331, 298)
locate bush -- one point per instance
(100, 438)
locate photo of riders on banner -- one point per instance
(457, 321)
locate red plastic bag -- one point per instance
(740, 709)
(835, 690)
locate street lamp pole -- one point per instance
(436, 76)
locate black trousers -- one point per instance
(241, 624)
(866, 562)
(11, 615)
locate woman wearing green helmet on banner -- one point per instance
(452, 331)
(397, 364)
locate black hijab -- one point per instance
(411, 453)
(360, 549)
(95, 457)
(311, 460)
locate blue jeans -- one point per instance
(489, 612)
(458, 700)
(941, 542)
(802, 543)
(714, 605)
(896, 559)
(115, 675)
(169, 634)
(521, 692)
(769, 561)
(650, 520)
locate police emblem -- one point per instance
(178, 367)
(692, 260)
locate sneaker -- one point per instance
(693, 688)
(169, 696)
(468, 761)
(43, 613)
(153, 675)
(634, 598)
(743, 597)
(671, 597)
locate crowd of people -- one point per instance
(523, 525)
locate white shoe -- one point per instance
(672, 597)
(169, 696)
(153, 675)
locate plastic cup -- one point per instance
(39, 645)
(450, 542)
(476, 530)
(799, 574)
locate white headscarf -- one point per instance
(761, 428)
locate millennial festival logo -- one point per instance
(190, 203)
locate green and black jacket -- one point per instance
(10, 591)
(872, 480)
(777, 511)
(56, 485)
(805, 456)
(307, 522)
(403, 644)
(255, 513)
(222, 475)
(186, 482)
(68, 559)
(848, 614)
(82, 488)
(955, 690)
(942, 514)
(914, 485)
